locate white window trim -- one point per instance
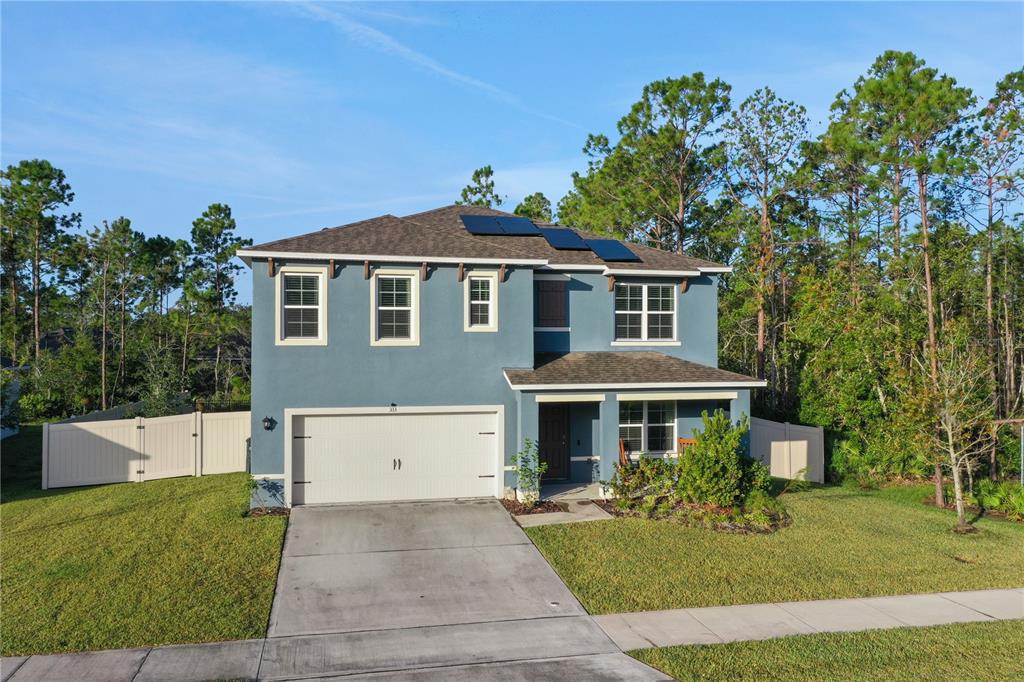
(491, 275)
(647, 423)
(414, 300)
(279, 337)
(643, 312)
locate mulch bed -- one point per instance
(696, 515)
(267, 511)
(517, 508)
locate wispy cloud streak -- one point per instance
(382, 42)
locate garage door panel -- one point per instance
(407, 456)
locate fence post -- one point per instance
(140, 449)
(46, 455)
(198, 425)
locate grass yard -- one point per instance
(843, 543)
(983, 652)
(129, 564)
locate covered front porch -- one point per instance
(578, 408)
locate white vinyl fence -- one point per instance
(789, 450)
(140, 449)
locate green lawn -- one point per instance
(129, 564)
(982, 652)
(843, 543)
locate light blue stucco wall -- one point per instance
(448, 367)
(592, 318)
(454, 367)
(603, 421)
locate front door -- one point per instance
(554, 440)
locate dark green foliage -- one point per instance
(535, 206)
(715, 470)
(480, 192)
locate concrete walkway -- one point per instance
(574, 512)
(562, 647)
(717, 624)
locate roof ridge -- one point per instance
(502, 247)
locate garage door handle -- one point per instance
(486, 476)
(399, 463)
(394, 464)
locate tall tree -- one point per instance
(480, 191)
(764, 136)
(213, 269)
(535, 206)
(915, 110)
(31, 193)
(996, 175)
(654, 180)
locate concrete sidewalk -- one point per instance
(718, 624)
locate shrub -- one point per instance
(715, 470)
(649, 477)
(529, 470)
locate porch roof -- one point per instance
(612, 370)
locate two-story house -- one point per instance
(408, 358)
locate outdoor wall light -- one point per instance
(268, 423)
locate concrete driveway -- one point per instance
(445, 590)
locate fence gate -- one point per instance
(789, 450)
(126, 450)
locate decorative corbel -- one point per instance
(611, 282)
(684, 285)
(423, 272)
(270, 268)
(366, 269)
(331, 272)
(462, 271)
(501, 273)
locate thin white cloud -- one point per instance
(382, 42)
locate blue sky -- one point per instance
(306, 115)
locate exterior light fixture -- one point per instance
(268, 423)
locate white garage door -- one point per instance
(406, 456)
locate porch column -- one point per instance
(738, 407)
(527, 427)
(609, 444)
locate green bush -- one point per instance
(715, 470)
(650, 477)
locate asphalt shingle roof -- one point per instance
(440, 233)
(618, 368)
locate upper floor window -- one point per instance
(395, 308)
(552, 311)
(645, 312)
(301, 306)
(481, 302)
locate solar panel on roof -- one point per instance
(482, 224)
(518, 226)
(611, 250)
(564, 239)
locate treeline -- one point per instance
(879, 267)
(96, 318)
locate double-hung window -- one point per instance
(648, 426)
(645, 312)
(301, 309)
(481, 302)
(395, 304)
